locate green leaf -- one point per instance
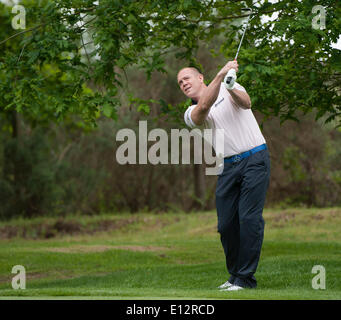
(107, 110)
(144, 107)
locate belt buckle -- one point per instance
(237, 158)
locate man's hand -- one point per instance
(238, 97)
(230, 65)
(210, 94)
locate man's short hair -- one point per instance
(196, 70)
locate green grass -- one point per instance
(171, 256)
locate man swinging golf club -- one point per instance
(241, 187)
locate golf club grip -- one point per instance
(228, 80)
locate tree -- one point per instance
(72, 57)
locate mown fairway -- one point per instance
(167, 256)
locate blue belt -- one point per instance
(239, 157)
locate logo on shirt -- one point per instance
(220, 101)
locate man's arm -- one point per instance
(240, 98)
(210, 95)
(205, 102)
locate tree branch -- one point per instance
(86, 53)
(21, 52)
(22, 32)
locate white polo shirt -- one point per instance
(241, 130)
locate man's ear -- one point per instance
(201, 77)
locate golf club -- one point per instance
(231, 76)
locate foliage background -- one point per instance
(81, 71)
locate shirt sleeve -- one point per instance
(239, 87)
(187, 116)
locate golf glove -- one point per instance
(230, 79)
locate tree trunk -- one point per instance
(15, 125)
(150, 188)
(199, 186)
(12, 157)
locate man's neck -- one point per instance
(196, 99)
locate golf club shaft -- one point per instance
(241, 40)
(229, 76)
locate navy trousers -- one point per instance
(240, 196)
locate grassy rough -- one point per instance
(167, 256)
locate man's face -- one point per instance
(190, 82)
